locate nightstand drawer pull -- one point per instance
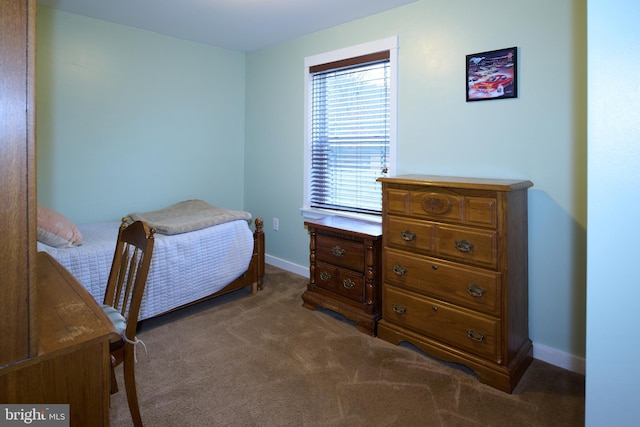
(348, 284)
(475, 291)
(464, 246)
(338, 251)
(399, 309)
(408, 236)
(475, 335)
(325, 276)
(399, 270)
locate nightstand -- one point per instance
(344, 269)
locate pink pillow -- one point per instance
(56, 230)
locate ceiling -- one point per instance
(243, 25)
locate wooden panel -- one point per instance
(439, 205)
(76, 378)
(475, 246)
(17, 182)
(343, 282)
(410, 234)
(341, 252)
(463, 329)
(397, 201)
(480, 211)
(474, 288)
(68, 314)
(73, 362)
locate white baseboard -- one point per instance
(541, 352)
(287, 265)
(559, 358)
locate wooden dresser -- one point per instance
(455, 271)
(344, 269)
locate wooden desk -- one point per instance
(73, 361)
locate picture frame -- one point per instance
(492, 75)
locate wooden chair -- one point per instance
(122, 300)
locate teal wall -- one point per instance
(116, 104)
(541, 136)
(130, 120)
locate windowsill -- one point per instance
(314, 214)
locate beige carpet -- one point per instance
(264, 360)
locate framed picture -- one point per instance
(492, 75)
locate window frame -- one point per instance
(388, 44)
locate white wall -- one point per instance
(613, 346)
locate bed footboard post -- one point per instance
(258, 250)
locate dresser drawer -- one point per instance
(473, 245)
(474, 288)
(343, 252)
(410, 234)
(460, 328)
(340, 281)
(480, 211)
(444, 205)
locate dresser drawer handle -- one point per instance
(337, 251)
(464, 246)
(475, 335)
(399, 309)
(399, 270)
(325, 276)
(348, 284)
(475, 291)
(408, 236)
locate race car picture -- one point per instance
(492, 75)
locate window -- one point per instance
(350, 128)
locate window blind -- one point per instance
(350, 133)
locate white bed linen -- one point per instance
(184, 267)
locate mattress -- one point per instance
(184, 267)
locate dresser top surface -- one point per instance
(335, 223)
(67, 313)
(459, 182)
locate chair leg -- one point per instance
(114, 381)
(130, 384)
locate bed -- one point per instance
(197, 256)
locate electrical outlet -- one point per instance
(276, 224)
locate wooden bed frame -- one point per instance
(254, 275)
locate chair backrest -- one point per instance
(129, 271)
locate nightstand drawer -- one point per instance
(463, 329)
(339, 280)
(474, 288)
(342, 252)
